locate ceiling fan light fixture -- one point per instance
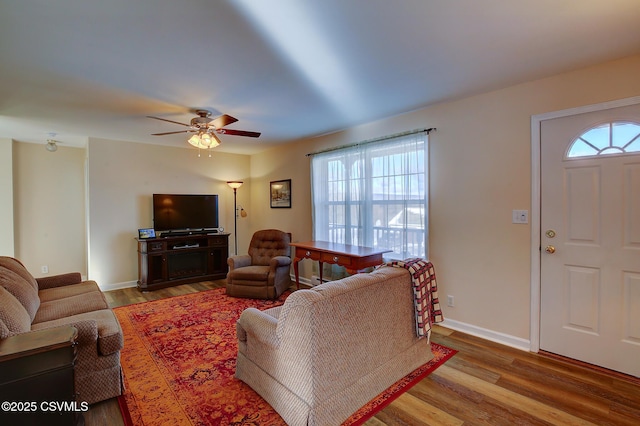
(204, 129)
(51, 145)
(204, 140)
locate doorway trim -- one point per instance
(536, 194)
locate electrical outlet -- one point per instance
(45, 269)
(450, 301)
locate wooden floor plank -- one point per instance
(513, 399)
(470, 406)
(422, 413)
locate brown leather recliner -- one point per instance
(264, 272)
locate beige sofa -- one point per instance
(30, 304)
(329, 350)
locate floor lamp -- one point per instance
(235, 184)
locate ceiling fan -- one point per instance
(205, 129)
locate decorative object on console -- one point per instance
(235, 184)
(280, 194)
(146, 233)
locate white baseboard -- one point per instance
(493, 336)
(303, 282)
(117, 286)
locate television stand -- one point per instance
(181, 259)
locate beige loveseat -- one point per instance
(329, 350)
(30, 304)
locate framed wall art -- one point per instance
(280, 194)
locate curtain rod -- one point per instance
(368, 141)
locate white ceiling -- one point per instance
(286, 68)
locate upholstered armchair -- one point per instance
(264, 272)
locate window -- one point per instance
(606, 139)
(374, 194)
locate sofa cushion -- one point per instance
(16, 266)
(72, 305)
(12, 314)
(56, 293)
(21, 289)
(110, 338)
(59, 280)
(251, 273)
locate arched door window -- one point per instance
(611, 138)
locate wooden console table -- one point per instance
(353, 258)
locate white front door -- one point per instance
(590, 242)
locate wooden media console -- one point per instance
(175, 260)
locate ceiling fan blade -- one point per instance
(223, 120)
(169, 121)
(172, 133)
(238, 133)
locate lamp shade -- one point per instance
(235, 184)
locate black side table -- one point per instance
(37, 378)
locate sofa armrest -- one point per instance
(89, 339)
(279, 261)
(262, 326)
(59, 280)
(238, 261)
(89, 336)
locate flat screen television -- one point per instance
(184, 212)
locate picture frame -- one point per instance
(146, 233)
(280, 194)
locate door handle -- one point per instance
(550, 249)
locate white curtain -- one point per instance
(374, 194)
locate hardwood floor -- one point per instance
(485, 383)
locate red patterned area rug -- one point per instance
(179, 362)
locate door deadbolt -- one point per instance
(550, 233)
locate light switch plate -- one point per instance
(520, 216)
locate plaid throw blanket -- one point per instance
(425, 293)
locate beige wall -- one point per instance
(49, 208)
(6, 195)
(122, 178)
(480, 171)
